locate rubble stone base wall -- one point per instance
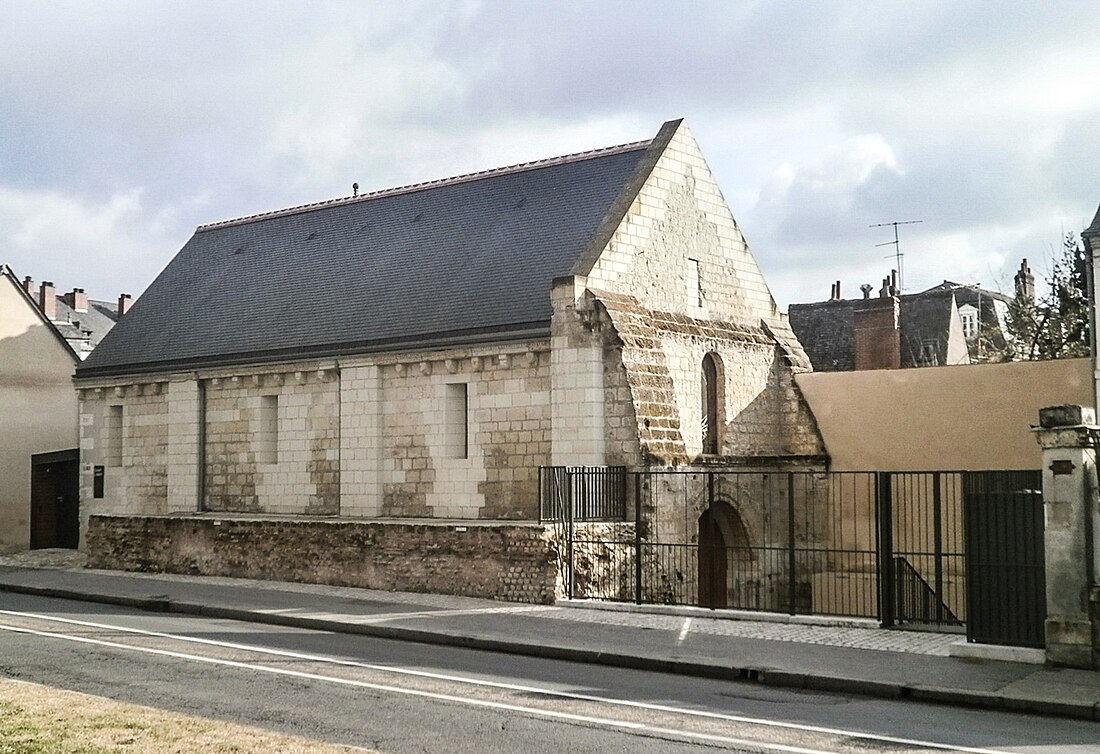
(499, 561)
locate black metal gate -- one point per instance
(938, 549)
(1006, 573)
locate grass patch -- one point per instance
(41, 720)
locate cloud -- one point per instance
(127, 124)
(75, 243)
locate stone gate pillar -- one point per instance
(1069, 437)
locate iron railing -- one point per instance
(865, 544)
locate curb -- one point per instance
(764, 676)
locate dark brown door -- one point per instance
(55, 500)
(712, 562)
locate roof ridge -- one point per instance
(518, 167)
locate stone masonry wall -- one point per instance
(138, 482)
(425, 468)
(513, 562)
(762, 413)
(303, 475)
(365, 437)
(679, 216)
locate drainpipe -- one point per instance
(200, 504)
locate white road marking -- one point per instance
(684, 631)
(604, 721)
(484, 683)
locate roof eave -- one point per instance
(514, 333)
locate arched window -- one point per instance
(711, 415)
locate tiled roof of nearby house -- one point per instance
(85, 329)
(456, 260)
(1094, 228)
(924, 321)
(824, 329)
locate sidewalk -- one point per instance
(852, 659)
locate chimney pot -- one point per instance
(1025, 282)
(47, 300)
(77, 300)
(866, 288)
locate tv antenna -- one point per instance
(897, 255)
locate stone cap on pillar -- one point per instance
(1068, 426)
(1066, 416)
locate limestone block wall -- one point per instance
(459, 433)
(516, 562)
(289, 466)
(679, 248)
(464, 433)
(761, 413)
(125, 430)
(578, 409)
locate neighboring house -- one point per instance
(1091, 237)
(38, 426)
(947, 324)
(420, 352)
(82, 321)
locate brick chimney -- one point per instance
(876, 331)
(28, 286)
(47, 300)
(77, 300)
(124, 303)
(1025, 282)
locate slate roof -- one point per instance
(825, 328)
(1094, 228)
(924, 322)
(84, 330)
(458, 260)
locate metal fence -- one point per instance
(881, 545)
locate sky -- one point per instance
(124, 125)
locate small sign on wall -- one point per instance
(97, 481)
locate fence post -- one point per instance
(792, 560)
(569, 528)
(887, 608)
(937, 543)
(1070, 436)
(638, 538)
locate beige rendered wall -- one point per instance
(968, 417)
(38, 408)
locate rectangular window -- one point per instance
(456, 420)
(112, 450)
(694, 283)
(267, 434)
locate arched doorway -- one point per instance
(724, 553)
(713, 565)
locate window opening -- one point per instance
(457, 423)
(710, 405)
(113, 451)
(267, 436)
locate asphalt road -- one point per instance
(402, 697)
